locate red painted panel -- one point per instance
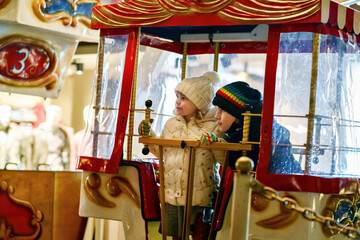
(18, 217)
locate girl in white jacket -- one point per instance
(193, 116)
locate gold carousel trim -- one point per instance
(66, 19)
(4, 3)
(116, 186)
(333, 205)
(284, 218)
(143, 13)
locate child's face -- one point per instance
(224, 119)
(184, 107)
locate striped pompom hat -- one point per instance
(235, 97)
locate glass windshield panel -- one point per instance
(331, 129)
(158, 73)
(99, 137)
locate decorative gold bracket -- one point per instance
(66, 18)
(12, 203)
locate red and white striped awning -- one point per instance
(342, 16)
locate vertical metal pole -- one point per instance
(219, 198)
(162, 193)
(132, 104)
(312, 101)
(184, 61)
(186, 225)
(216, 56)
(189, 194)
(246, 129)
(98, 95)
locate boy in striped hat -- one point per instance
(231, 101)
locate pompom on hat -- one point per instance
(200, 90)
(235, 98)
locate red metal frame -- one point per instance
(203, 48)
(125, 98)
(112, 165)
(109, 19)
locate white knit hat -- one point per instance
(199, 90)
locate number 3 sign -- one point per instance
(27, 62)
